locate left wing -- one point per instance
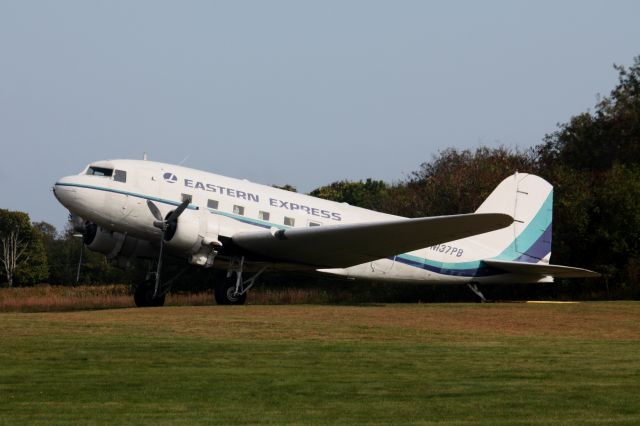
(340, 246)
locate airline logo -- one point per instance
(170, 177)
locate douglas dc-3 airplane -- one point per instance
(139, 208)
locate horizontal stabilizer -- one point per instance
(541, 269)
(340, 246)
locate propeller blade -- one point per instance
(78, 223)
(155, 211)
(177, 212)
(162, 224)
(159, 268)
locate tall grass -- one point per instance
(58, 298)
(44, 297)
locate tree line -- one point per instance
(593, 161)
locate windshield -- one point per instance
(99, 171)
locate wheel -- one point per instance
(224, 293)
(143, 296)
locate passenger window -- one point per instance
(239, 210)
(312, 223)
(99, 171)
(120, 176)
(212, 204)
(289, 221)
(263, 216)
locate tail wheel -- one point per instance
(143, 296)
(225, 293)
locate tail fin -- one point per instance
(529, 200)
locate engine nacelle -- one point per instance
(114, 244)
(184, 235)
(195, 234)
(98, 239)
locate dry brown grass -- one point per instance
(418, 323)
(289, 296)
(601, 320)
(46, 298)
(57, 298)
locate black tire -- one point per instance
(143, 296)
(224, 290)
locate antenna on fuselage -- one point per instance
(144, 156)
(184, 159)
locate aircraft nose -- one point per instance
(64, 191)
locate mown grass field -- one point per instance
(393, 364)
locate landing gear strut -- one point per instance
(144, 295)
(233, 291)
(474, 288)
(151, 293)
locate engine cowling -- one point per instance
(184, 234)
(194, 234)
(99, 239)
(114, 244)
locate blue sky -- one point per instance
(296, 92)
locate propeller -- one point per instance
(81, 229)
(164, 224)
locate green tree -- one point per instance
(22, 253)
(459, 181)
(63, 251)
(286, 187)
(596, 141)
(594, 163)
(95, 268)
(48, 231)
(367, 194)
(616, 224)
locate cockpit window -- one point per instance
(120, 176)
(99, 171)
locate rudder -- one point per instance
(529, 200)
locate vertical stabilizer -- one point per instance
(529, 199)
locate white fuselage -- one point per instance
(222, 206)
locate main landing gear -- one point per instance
(144, 295)
(230, 291)
(148, 295)
(233, 290)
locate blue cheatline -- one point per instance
(132, 194)
(248, 220)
